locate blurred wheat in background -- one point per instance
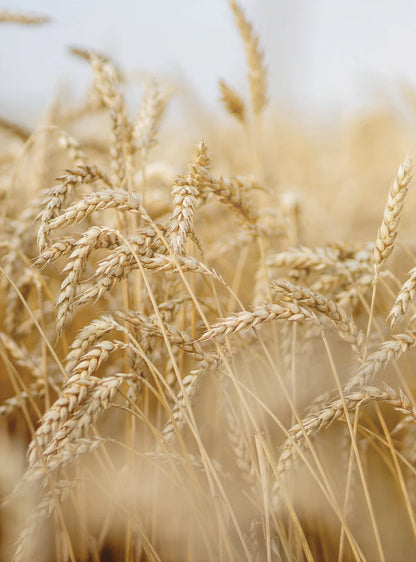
(207, 333)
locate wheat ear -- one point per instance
(55, 198)
(256, 68)
(344, 324)
(232, 101)
(390, 224)
(72, 395)
(388, 351)
(403, 300)
(94, 238)
(322, 419)
(260, 314)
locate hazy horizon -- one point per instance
(323, 58)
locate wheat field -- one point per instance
(207, 335)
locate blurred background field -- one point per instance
(325, 59)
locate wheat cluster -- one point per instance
(199, 353)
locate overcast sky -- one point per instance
(323, 55)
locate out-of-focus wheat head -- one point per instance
(205, 353)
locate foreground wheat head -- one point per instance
(194, 365)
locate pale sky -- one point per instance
(324, 56)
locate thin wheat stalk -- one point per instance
(27, 283)
(169, 455)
